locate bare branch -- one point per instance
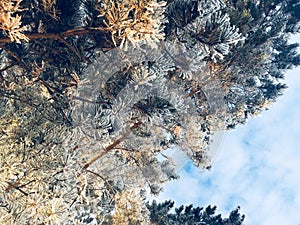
(110, 147)
(69, 33)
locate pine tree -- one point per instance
(93, 92)
(160, 214)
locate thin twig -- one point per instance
(88, 101)
(15, 186)
(105, 181)
(17, 58)
(73, 49)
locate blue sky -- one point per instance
(257, 168)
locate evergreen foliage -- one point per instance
(93, 91)
(160, 214)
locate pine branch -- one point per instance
(110, 147)
(69, 33)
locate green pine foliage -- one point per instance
(160, 214)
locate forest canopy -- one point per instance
(94, 91)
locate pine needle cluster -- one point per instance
(10, 21)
